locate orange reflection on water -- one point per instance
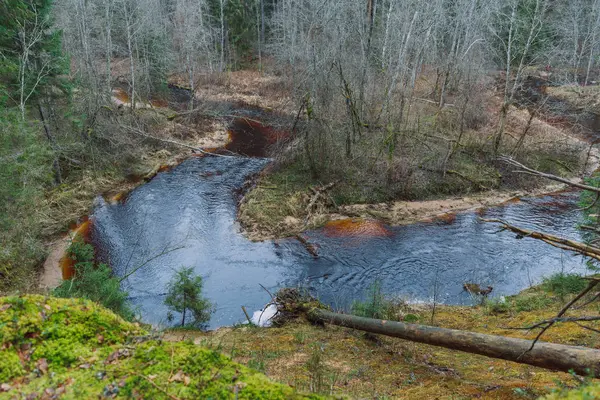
(356, 227)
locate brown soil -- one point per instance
(51, 276)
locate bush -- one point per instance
(531, 303)
(376, 305)
(185, 294)
(563, 284)
(94, 282)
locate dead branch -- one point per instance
(247, 316)
(526, 170)
(267, 290)
(550, 323)
(174, 142)
(589, 228)
(587, 303)
(317, 193)
(553, 321)
(591, 205)
(556, 241)
(589, 328)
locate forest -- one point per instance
(402, 154)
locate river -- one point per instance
(189, 214)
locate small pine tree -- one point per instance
(184, 293)
(94, 282)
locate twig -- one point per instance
(591, 205)
(157, 387)
(589, 228)
(247, 316)
(596, 297)
(587, 327)
(304, 101)
(164, 252)
(267, 290)
(553, 321)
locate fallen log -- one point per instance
(581, 360)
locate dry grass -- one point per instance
(359, 367)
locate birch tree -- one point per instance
(516, 31)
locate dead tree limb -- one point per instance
(319, 191)
(558, 318)
(173, 142)
(581, 360)
(526, 170)
(553, 321)
(586, 208)
(556, 241)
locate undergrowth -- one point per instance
(94, 282)
(375, 305)
(563, 284)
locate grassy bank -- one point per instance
(345, 362)
(73, 348)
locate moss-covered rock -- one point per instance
(71, 348)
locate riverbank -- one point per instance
(372, 366)
(277, 203)
(283, 201)
(105, 354)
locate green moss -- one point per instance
(583, 393)
(78, 349)
(59, 331)
(10, 365)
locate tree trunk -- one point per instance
(183, 314)
(581, 360)
(55, 163)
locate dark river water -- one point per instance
(193, 208)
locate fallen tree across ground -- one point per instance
(581, 360)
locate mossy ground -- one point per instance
(362, 366)
(75, 349)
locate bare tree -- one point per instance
(516, 30)
(33, 67)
